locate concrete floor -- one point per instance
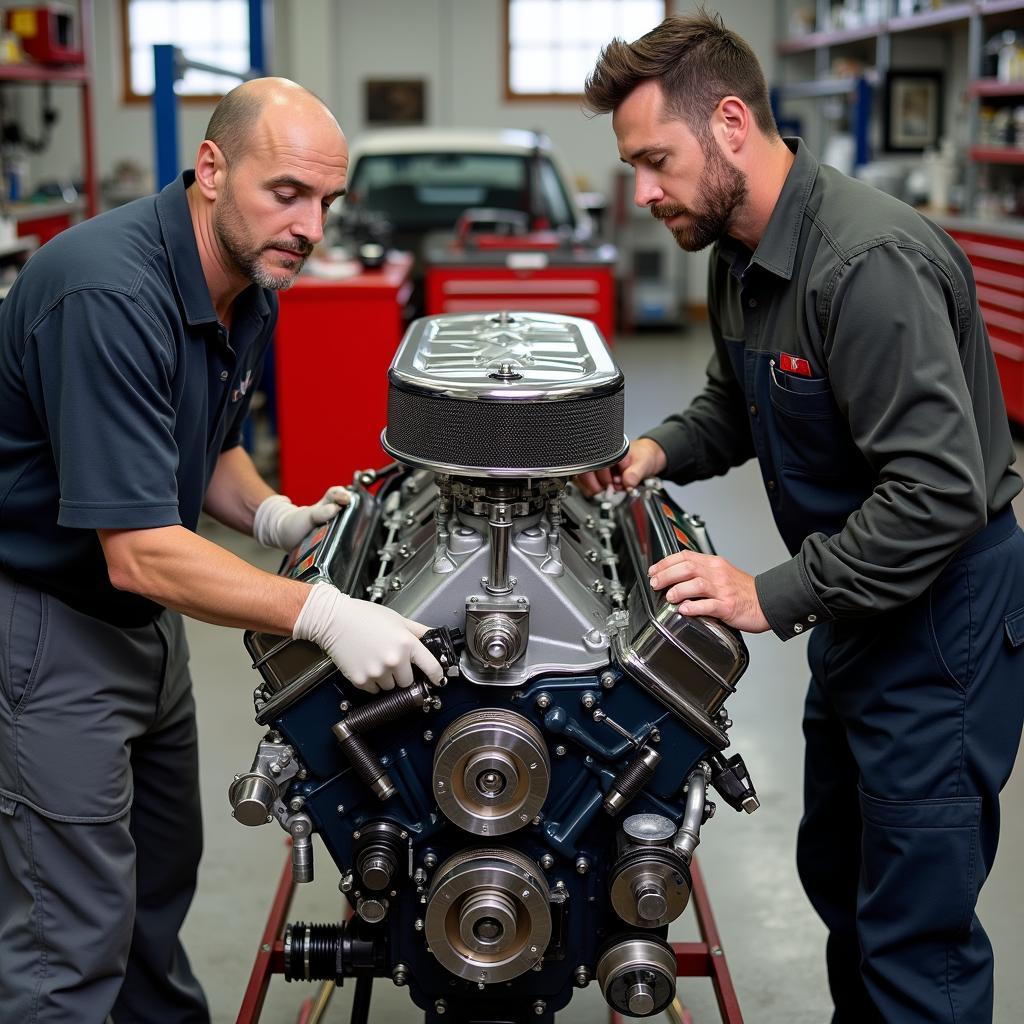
(773, 940)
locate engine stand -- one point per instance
(704, 959)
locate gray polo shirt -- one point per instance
(880, 304)
(119, 389)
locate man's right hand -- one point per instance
(374, 647)
(645, 458)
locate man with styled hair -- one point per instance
(851, 361)
(130, 346)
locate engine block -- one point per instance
(527, 826)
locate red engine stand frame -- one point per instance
(704, 959)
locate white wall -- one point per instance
(333, 46)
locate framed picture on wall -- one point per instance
(396, 101)
(913, 111)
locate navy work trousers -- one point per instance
(100, 829)
(912, 723)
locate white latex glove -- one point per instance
(280, 524)
(374, 646)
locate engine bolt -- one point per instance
(341, 808)
(428, 735)
(547, 862)
(440, 1007)
(345, 885)
(607, 680)
(344, 705)
(418, 924)
(588, 700)
(543, 701)
(559, 751)
(356, 835)
(419, 876)
(539, 1007)
(581, 976)
(582, 865)
(400, 975)
(430, 860)
(296, 803)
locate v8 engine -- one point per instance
(528, 826)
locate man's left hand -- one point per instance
(709, 585)
(280, 524)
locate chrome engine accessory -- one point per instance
(508, 395)
(650, 881)
(254, 795)
(488, 918)
(580, 721)
(638, 976)
(491, 772)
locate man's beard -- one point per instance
(237, 243)
(721, 189)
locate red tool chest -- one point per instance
(333, 347)
(998, 261)
(517, 275)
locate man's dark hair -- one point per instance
(233, 121)
(697, 61)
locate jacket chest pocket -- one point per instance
(811, 437)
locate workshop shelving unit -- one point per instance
(993, 241)
(49, 218)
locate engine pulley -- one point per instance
(491, 772)
(637, 975)
(488, 917)
(650, 887)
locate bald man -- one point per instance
(129, 349)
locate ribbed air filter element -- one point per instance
(504, 395)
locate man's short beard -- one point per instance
(237, 245)
(720, 191)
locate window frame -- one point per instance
(506, 54)
(128, 94)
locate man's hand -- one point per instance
(709, 585)
(645, 458)
(280, 524)
(374, 646)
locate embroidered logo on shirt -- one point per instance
(794, 364)
(242, 388)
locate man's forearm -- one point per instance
(236, 490)
(182, 571)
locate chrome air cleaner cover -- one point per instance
(504, 395)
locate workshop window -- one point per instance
(208, 31)
(552, 45)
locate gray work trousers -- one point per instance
(100, 828)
